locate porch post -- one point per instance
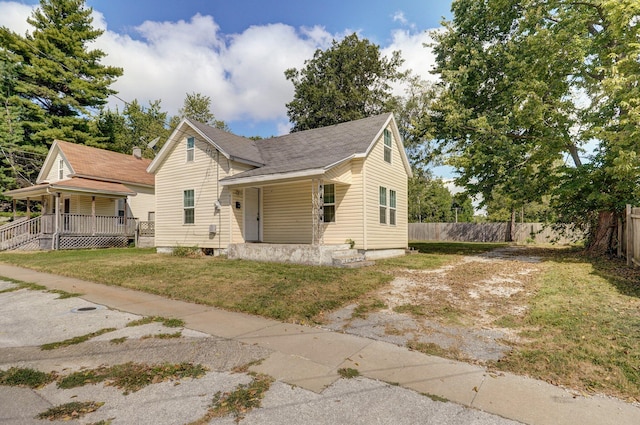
(28, 208)
(317, 202)
(93, 215)
(15, 215)
(56, 230)
(126, 213)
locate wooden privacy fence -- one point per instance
(486, 232)
(631, 236)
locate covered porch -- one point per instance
(73, 214)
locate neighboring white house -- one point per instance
(86, 194)
(345, 183)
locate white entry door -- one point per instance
(252, 214)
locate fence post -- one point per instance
(629, 235)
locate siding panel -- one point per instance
(287, 213)
(393, 177)
(177, 175)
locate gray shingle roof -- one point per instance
(314, 149)
(236, 146)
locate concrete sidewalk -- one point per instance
(310, 358)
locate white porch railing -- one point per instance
(19, 233)
(14, 235)
(87, 225)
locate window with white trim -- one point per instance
(392, 207)
(191, 148)
(329, 198)
(383, 205)
(189, 203)
(60, 169)
(387, 146)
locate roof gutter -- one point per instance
(271, 177)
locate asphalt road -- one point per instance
(31, 318)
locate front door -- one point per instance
(252, 215)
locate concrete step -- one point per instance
(357, 264)
(344, 253)
(349, 258)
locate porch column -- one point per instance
(93, 215)
(56, 229)
(317, 210)
(28, 208)
(126, 213)
(56, 235)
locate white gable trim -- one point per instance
(177, 135)
(50, 161)
(399, 144)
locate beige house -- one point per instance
(288, 198)
(89, 197)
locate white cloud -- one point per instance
(418, 59)
(14, 16)
(242, 73)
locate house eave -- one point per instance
(271, 178)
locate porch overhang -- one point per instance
(75, 185)
(276, 178)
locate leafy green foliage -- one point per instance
(348, 81)
(132, 377)
(136, 126)
(527, 84)
(75, 340)
(348, 373)
(431, 201)
(69, 411)
(238, 402)
(25, 377)
(198, 107)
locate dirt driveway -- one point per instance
(456, 309)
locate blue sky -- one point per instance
(236, 52)
(375, 18)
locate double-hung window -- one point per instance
(383, 205)
(387, 146)
(191, 147)
(392, 207)
(189, 202)
(329, 198)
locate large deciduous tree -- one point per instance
(60, 81)
(348, 81)
(526, 85)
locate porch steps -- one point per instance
(349, 258)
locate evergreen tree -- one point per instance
(60, 82)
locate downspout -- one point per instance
(364, 205)
(230, 207)
(218, 200)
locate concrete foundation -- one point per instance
(379, 254)
(323, 255)
(285, 253)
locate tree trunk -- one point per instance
(604, 238)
